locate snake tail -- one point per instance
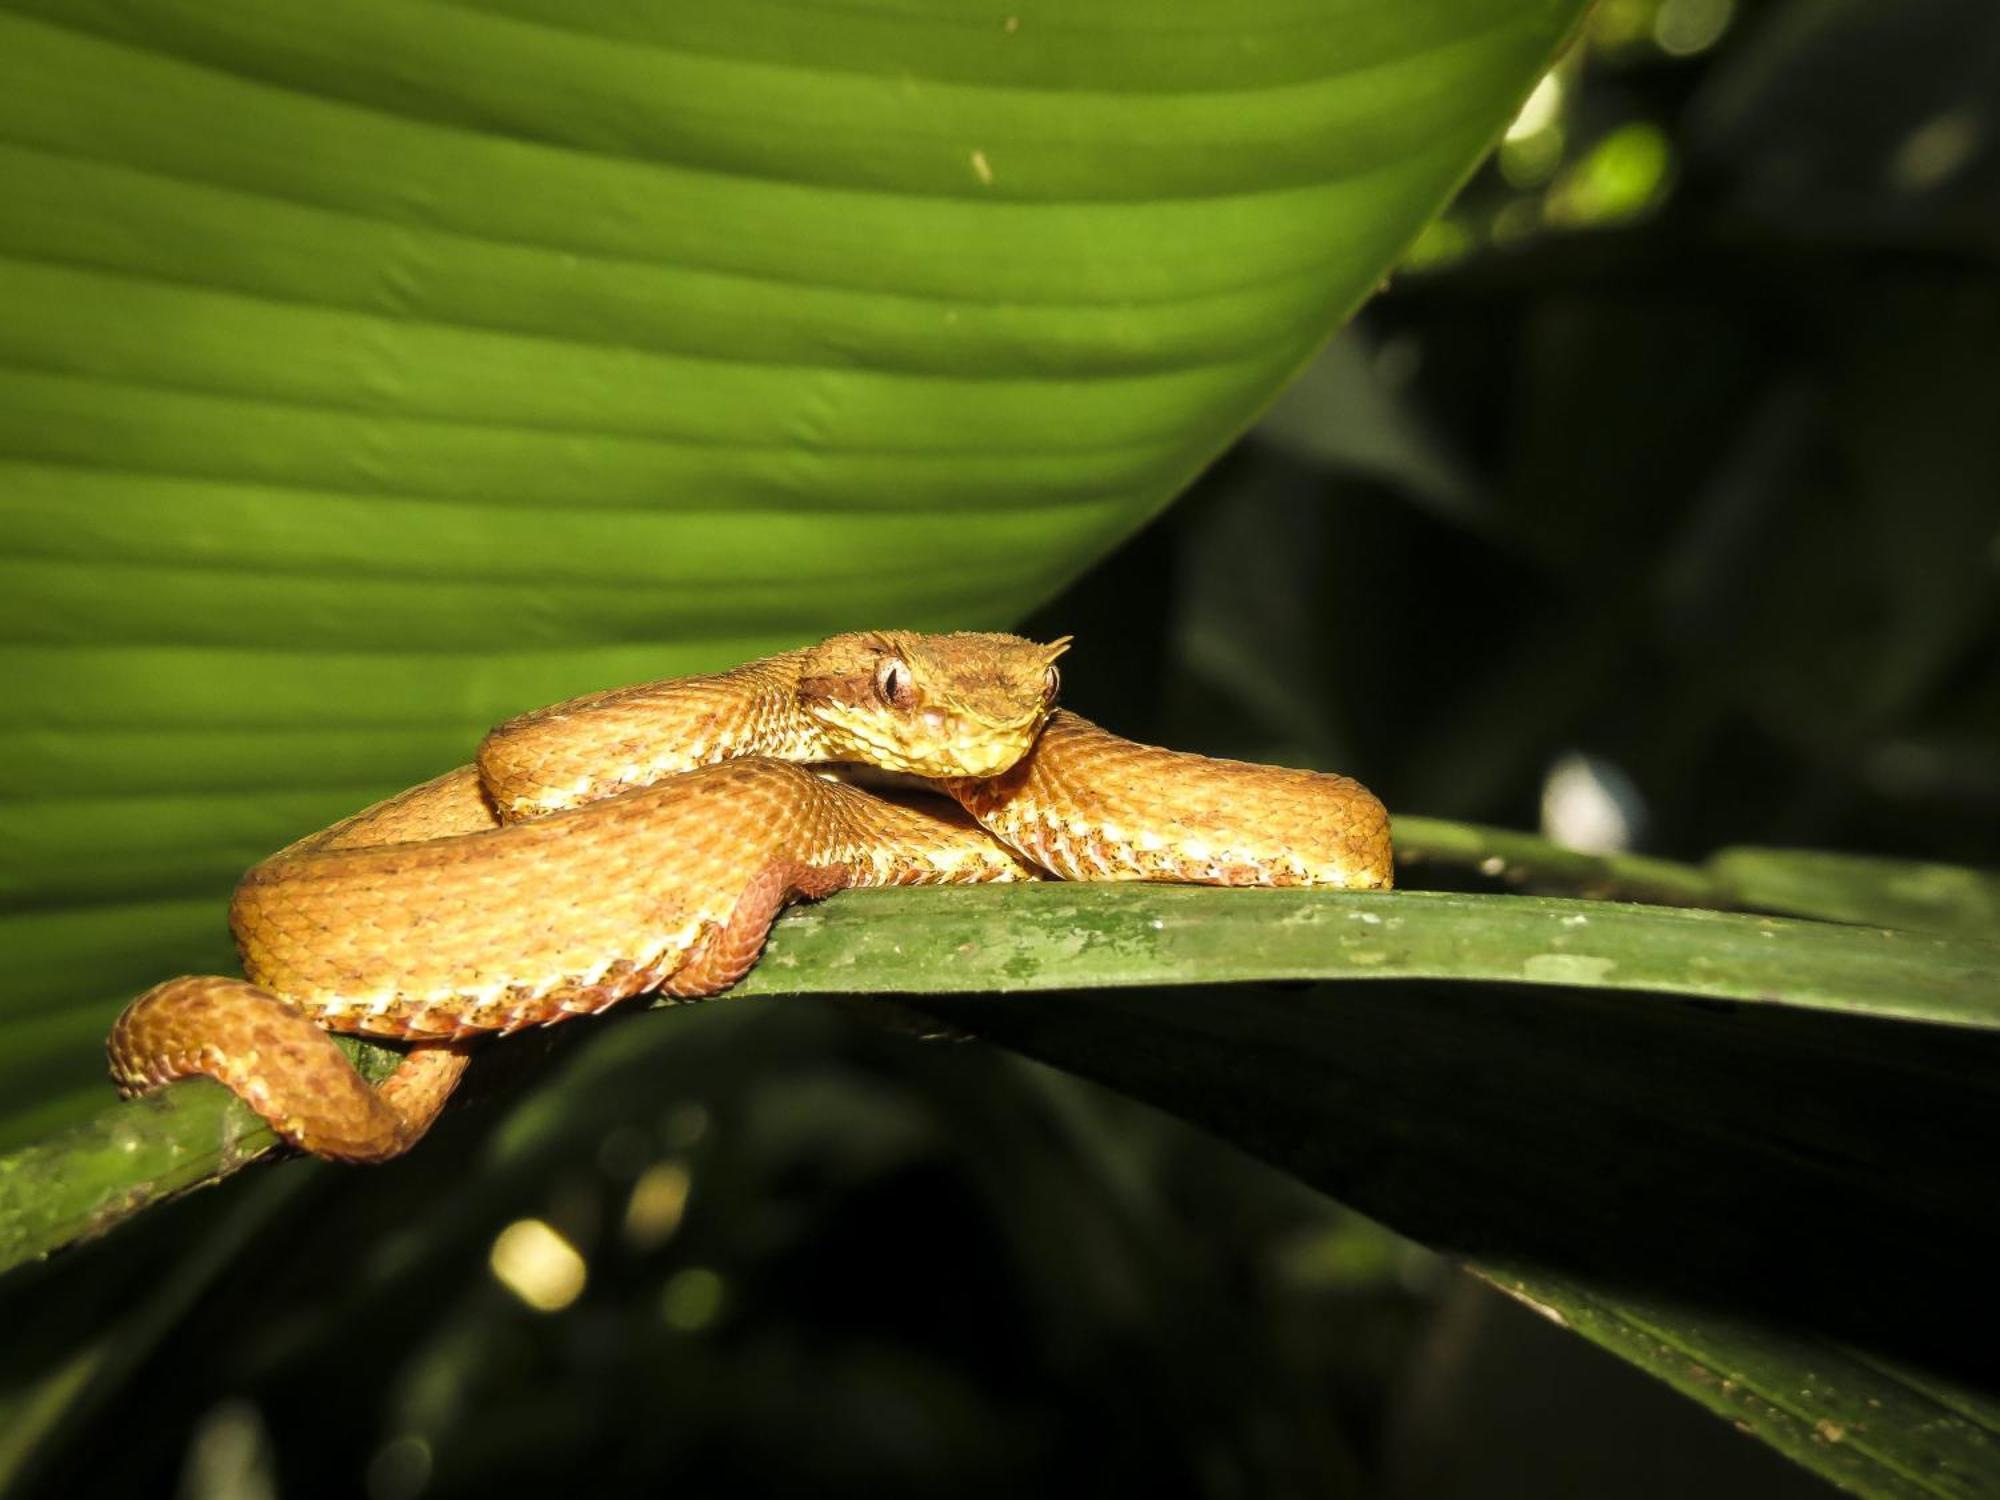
(248, 1040)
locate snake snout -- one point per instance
(990, 759)
(967, 754)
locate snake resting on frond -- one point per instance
(644, 839)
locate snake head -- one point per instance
(930, 705)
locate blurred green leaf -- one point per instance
(1858, 124)
(1347, 413)
(1872, 1426)
(1785, 1214)
(1850, 888)
(1917, 895)
(851, 1189)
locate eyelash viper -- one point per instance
(645, 839)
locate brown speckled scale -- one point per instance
(644, 839)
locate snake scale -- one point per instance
(644, 839)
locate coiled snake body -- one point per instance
(644, 840)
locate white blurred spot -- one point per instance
(659, 1199)
(1591, 806)
(229, 1456)
(538, 1265)
(1540, 110)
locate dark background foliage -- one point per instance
(1674, 450)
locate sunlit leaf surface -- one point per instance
(367, 379)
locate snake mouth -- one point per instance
(986, 760)
(941, 746)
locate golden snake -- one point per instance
(645, 839)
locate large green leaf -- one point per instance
(370, 376)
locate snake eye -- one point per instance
(893, 685)
(1051, 684)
